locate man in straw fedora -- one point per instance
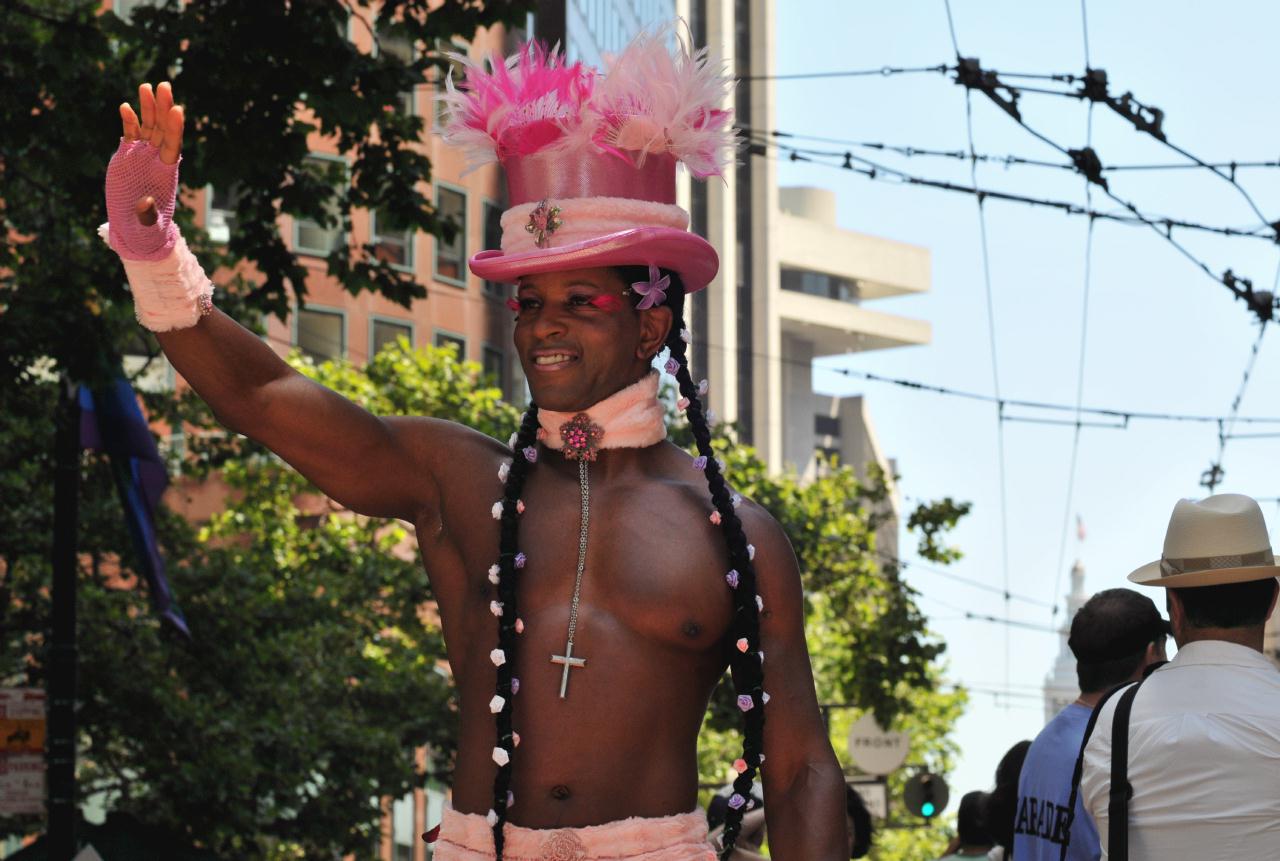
(1202, 746)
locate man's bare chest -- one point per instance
(652, 562)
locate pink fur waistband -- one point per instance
(468, 837)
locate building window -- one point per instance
(393, 41)
(495, 366)
(438, 114)
(493, 239)
(402, 828)
(821, 284)
(451, 256)
(220, 214)
(444, 339)
(310, 237)
(826, 425)
(392, 242)
(383, 332)
(320, 334)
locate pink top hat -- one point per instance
(591, 158)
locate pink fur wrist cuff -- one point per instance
(168, 294)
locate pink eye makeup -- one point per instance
(607, 302)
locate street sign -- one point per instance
(875, 795)
(926, 795)
(874, 749)
(22, 732)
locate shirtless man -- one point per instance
(654, 616)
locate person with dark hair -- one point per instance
(859, 822)
(1115, 636)
(1003, 800)
(1202, 732)
(973, 838)
(594, 581)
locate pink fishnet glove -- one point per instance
(136, 172)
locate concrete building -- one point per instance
(1061, 687)
(792, 285)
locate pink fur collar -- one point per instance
(629, 418)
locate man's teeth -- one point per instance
(552, 360)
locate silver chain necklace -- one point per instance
(567, 659)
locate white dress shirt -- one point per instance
(1204, 759)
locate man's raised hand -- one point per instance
(161, 125)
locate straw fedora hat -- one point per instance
(1218, 540)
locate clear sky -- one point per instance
(1161, 336)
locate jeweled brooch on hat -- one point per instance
(581, 437)
(543, 221)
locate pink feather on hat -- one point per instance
(527, 104)
(651, 101)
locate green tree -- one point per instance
(316, 666)
(257, 77)
(870, 645)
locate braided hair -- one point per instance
(509, 559)
(743, 641)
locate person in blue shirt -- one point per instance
(1115, 636)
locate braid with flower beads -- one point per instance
(746, 657)
(509, 625)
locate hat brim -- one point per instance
(1149, 575)
(687, 254)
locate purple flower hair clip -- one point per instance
(654, 290)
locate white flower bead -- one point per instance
(496, 704)
(685, 336)
(515, 739)
(491, 818)
(504, 469)
(494, 571)
(500, 756)
(751, 551)
(498, 657)
(495, 607)
(764, 696)
(759, 603)
(496, 511)
(511, 443)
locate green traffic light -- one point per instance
(927, 809)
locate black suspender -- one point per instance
(1121, 790)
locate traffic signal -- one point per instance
(926, 795)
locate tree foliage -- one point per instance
(870, 645)
(315, 668)
(262, 81)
